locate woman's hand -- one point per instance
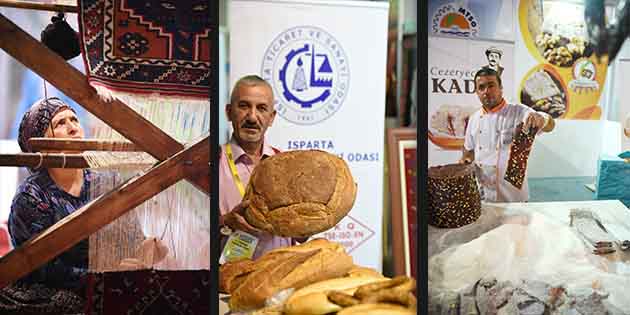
(150, 252)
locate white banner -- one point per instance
(452, 97)
(224, 93)
(326, 63)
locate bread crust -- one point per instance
(299, 193)
(377, 309)
(263, 282)
(357, 271)
(313, 299)
(229, 271)
(283, 268)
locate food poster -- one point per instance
(558, 72)
(453, 63)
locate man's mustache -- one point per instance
(250, 125)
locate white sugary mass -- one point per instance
(540, 86)
(528, 251)
(451, 120)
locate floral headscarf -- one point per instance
(37, 119)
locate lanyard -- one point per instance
(237, 179)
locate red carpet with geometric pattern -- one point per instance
(147, 46)
(149, 292)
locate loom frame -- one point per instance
(178, 161)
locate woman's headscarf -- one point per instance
(37, 119)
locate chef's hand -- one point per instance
(467, 157)
(534, 121)
(235, 219)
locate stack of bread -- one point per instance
(251, 282)
(299, 194)
(324, 281)
(356, 293)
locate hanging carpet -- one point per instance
(147, 46)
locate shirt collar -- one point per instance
(496, 108)
(238, 151)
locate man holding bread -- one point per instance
(251, 111)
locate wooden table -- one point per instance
(614, 216)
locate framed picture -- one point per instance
(401, 146)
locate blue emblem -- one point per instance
(309, 73)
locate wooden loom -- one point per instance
(177, 161)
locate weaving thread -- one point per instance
(178, 216)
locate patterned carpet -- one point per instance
(149, 292)
(147, 46)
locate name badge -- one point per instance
(238, 246)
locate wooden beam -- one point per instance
(57, 144)
(50, 66)
(199, 172)
(56, 6)
(45, 160)
(98, 213)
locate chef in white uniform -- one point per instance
(489, 134)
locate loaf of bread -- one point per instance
(299, 193)
(313, 299)
(269, 310)
(262, 283)
(358, 271)
(331, 262)
(232, 274)
(251, 282)
(377, 309)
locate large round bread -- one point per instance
(299, 193)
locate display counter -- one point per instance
(537, 243)
(614, 215)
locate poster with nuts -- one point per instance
(560, 74)
(453, 63)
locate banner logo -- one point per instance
(309, 73)
(452, 19)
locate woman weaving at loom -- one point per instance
(44, 198)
